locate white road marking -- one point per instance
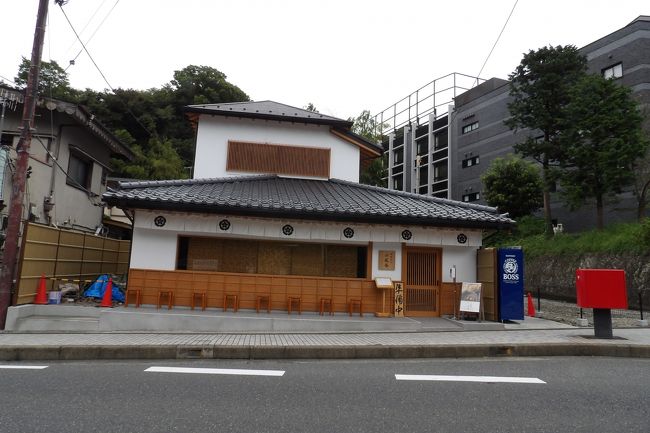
(23, 367)
(490, 379)
(230, 371)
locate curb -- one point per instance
(68, 353)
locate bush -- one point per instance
(645, 231)
(617, 238)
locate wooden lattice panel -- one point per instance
(278, 159)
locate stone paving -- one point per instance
(582, 336)
(439, 338)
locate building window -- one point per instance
(471, 127)
(398, 156)
(440, 172)
(471, 161)
(613, 72)
(398, 183)
(440, 140)
(474, 196)
(271, 257)
(80, 171)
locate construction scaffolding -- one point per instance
(415, 136)
(432, 98)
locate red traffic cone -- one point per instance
(531, 306)
(41, 293)
(108, 295)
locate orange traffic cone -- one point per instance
(531, 306)
(108, 295)
(41, 293)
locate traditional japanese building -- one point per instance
(275, 218)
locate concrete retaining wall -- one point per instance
(555, 275)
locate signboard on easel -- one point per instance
(383, 284)
(470, 297)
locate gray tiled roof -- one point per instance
(268, 110)
(273, 196)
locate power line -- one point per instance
(497, 41)
(86, 25)
(7, 79)
(103, 76)
(72, 61)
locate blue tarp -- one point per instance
(96, 289)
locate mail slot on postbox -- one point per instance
(601, 288)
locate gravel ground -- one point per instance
(567, 312)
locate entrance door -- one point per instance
(422, 281)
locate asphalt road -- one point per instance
(579, 394)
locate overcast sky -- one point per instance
(343, 56)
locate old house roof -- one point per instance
(332, 200)
(271, 110)
(78, 112)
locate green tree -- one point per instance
(540, 88)
(642, 171)
(204, 85)
(53, 80)
(375, 173)
(311, 107)
(642, 184)
(159, 161)
(603, 141)
(366, 126)
(513, 185)
(155, 115)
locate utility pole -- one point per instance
(10, 257)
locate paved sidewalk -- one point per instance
(532, 338)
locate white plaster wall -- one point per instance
(214, 132)
(395, 275)
(465, 260)
(153, 249)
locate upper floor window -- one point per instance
(471, 161)
(614, 71)
(471, 127)
(80, 171)
(474, 196)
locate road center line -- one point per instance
(229, 371)
(490, 379)
(23, 367)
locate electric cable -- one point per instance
(72, 61)
(10, 81)
(86, 25)
(497, 41)
(153, 135)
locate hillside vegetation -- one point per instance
(617, 238)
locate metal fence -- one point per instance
(569, 313)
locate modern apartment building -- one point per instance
(476, 134)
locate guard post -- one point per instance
(602, 290)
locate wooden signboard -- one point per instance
(399, 300)
(387, 260)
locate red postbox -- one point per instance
(601, 288)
